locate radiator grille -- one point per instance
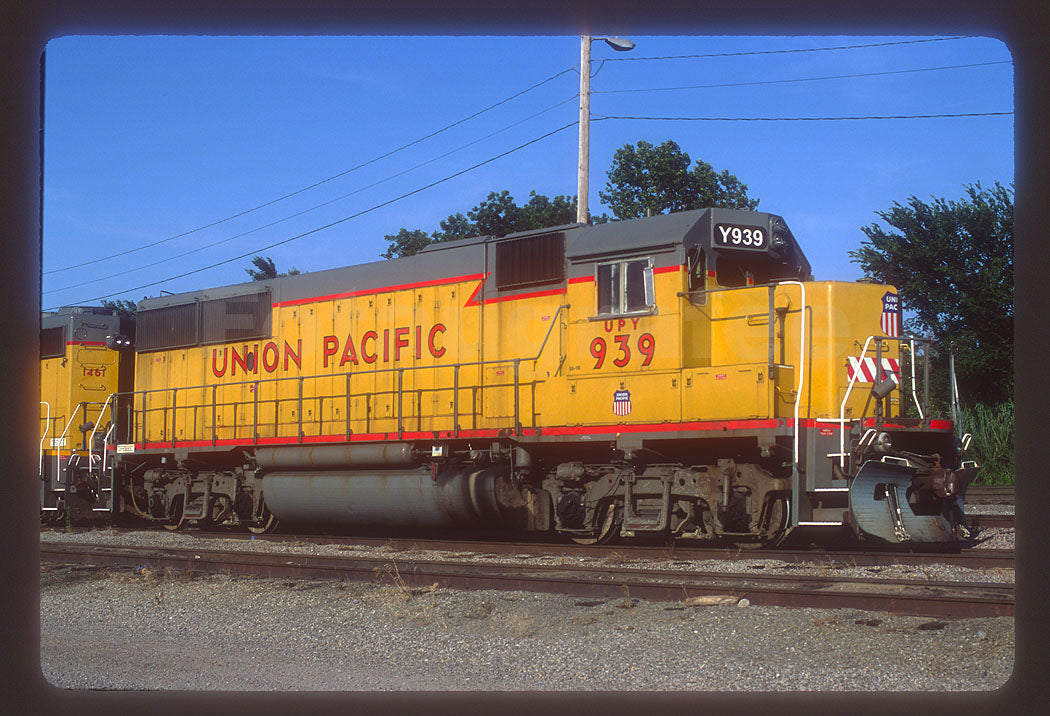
(237, 318)
(530, 261)
(169, 327)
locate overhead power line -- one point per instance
(417, 166)
(801, 79)
(781, 52)
(125, 252)
(314, 185)
(805, 119)
(497, 104)
(337, 222)
(226, 240)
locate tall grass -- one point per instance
(992, 428)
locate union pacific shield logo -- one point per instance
(622, 402)
(891, 311)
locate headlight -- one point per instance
(118, 342)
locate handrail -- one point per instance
(774, 284)
(796, 474)
(61, 439)
(105, 454)
(954, 390)
(554, 320)
(914, 397)
(801, 368)
(47, 429)
(842, 407)
(94, 429)
(321, 376)
(370, 372)
(878, 368)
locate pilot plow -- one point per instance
(900, 503)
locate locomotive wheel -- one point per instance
(776, 522)
(773, 520)
(214, 516)
(173, 524)
(610, 527)
(268, 524)
(51, 519)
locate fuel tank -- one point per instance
(328, 457)
(457, 498)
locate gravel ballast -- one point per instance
(107, 628)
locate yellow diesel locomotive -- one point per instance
(680, 375)
(84, 359)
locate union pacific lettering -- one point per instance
(389, 346)
(246, 358)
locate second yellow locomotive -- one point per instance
(679, 374)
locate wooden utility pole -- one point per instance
(620, 45)
(582, 187)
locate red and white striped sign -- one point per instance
(864, 369)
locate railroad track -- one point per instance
(990, 495)
(972, 558)
(990, 521)
(828, 556)
(902, 596)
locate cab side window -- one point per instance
(625, 287)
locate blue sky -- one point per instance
(151, 138)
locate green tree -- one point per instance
(265, 268)
(124, 308)
(406, 243)
(540, 212)
(953, 263)
(455, 227)
(643, 180)
(646, 180)
(498, 215)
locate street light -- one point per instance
(620, 45)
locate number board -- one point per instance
(738, 236)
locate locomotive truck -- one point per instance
(680, 375)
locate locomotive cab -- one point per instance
(766, 403)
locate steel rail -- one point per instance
(914, 597)
(829, 556)
(990, 521)
(990, 494)
(972, 558)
